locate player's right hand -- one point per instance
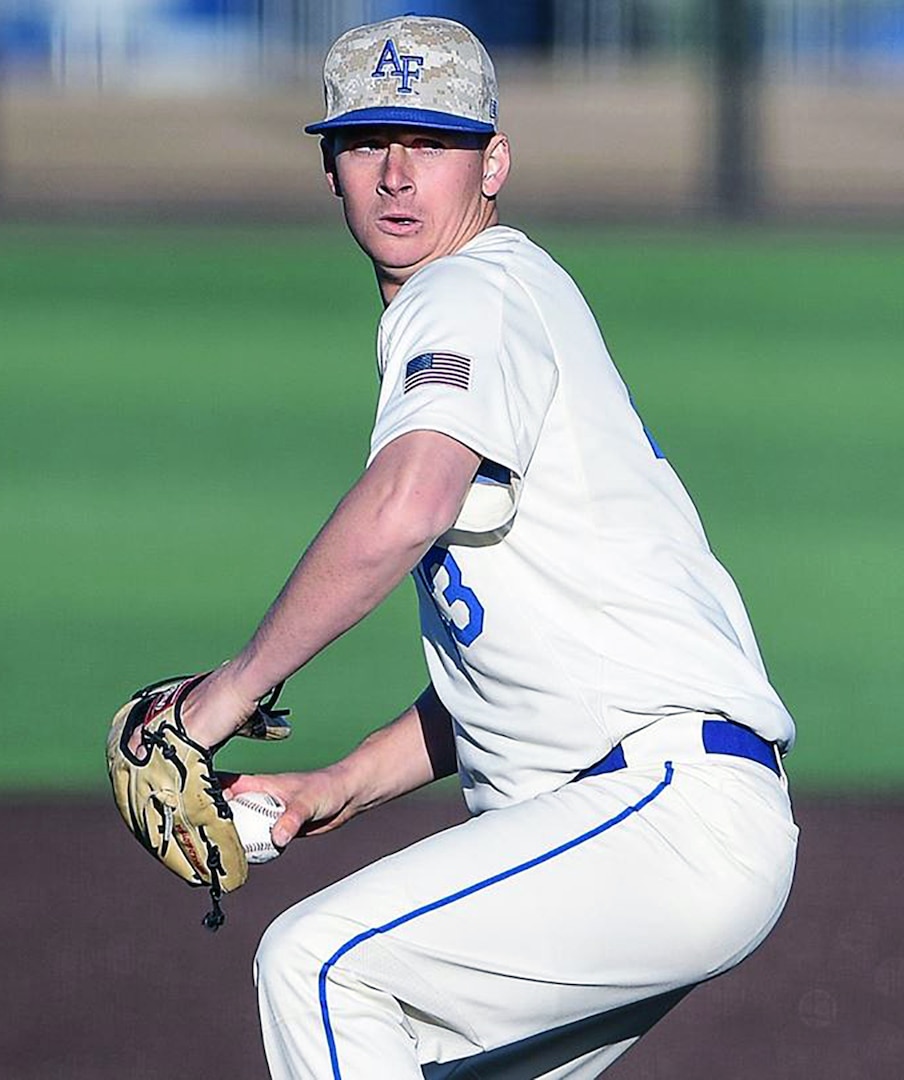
(315, 802)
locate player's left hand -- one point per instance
(213, 711)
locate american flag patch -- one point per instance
(439, 368)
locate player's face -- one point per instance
(412, 195)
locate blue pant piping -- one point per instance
(461, 894)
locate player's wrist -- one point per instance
(384, 766)
(344, 784)
(215, 709)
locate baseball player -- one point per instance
(594, 679)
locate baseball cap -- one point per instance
(414, 70)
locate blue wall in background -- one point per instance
(861, 32)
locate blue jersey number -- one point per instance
(439, 558)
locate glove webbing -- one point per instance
(214, 918)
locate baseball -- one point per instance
(254, 814)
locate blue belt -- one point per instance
(719, 737)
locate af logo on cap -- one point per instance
(406, 68)
(414, 70)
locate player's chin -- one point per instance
(399, 252)
(399, 258)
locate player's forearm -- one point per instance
(415, 749)
(377, 534)
(351, 566)
(410, 494)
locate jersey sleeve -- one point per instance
(464, 352)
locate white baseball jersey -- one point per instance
(577, 600)
(574, 604)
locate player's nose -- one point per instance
(396, 175)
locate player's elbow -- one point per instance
(412, 520)
(416, 486)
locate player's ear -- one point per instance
(497, 161)
(328, 152)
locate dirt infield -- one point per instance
(109, 975)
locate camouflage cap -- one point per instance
(413, 70)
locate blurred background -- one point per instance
(725, 178)
(187, 388)
(646, 107)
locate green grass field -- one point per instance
(180, 410)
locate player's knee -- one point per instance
(294, 950)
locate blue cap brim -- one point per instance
(425, 118)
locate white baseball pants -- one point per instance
(540, 940)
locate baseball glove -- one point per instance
(169, 794)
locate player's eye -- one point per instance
(364, 144)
